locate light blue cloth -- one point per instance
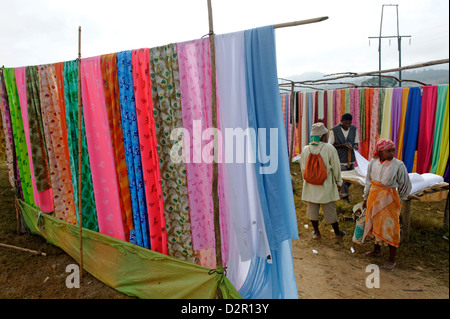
(275, 280)
(139, 235)
(412, 120)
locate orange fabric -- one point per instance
(342, 102)
(383, 214)
(112, 99)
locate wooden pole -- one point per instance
(34, 252)
(215, 194)
(80, 206)
(301, 22)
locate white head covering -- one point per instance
(318, 129)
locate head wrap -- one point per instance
(383, 145)
(317, 131)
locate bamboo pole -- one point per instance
(80, 206)
(215, 195)
(301, 22)
(34, 252)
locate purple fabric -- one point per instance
(396, 114)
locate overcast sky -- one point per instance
(34, 32)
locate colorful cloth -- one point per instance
(401, 129)
(164, 73)
(444, 150)
(195, 89)
(426, 129)
(21, 151)
(149, 154)
(382, 215)
(396, 115)
(439, 133)
(101, 157)
(139, 235)
(108, 65)
(383, 145)
(412, 121)
(44, 198)
(63, 199)
(89, 210)
(9, 138)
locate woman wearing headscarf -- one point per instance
(327, 193)
(387, 182)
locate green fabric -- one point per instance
(362, 114)
(167, 114)
(439, 123)
(71, 103)
(347, 100)
(315, 140)
(19, 136)
(128, 268)
(37, 136)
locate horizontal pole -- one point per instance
(301, 22)
(391, 36)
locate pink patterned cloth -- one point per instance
(374, 122)
(101, 157)
(44, 199)
(196, 104)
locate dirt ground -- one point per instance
(334, 272)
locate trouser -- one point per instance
(329, 212)
(346, 185)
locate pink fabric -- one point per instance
(43, 200)
(426, 129)
(337, 107)
(101, 158)
(356, 115)
(374, 122)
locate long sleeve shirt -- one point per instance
(327, 192)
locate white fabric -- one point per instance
(418, 181)
(247, 233)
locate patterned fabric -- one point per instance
(139, 234)
(21, 151)
(37, 135)
(168, 116)
(195, 87)
(104, 176)
(63, 199)
(383, 145)
(112, 98)
(71, 111)
(43, 200)
(9, 138)
(149, 154)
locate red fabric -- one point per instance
(140, 60)
(426, 129)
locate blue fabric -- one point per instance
(275, 190)
(411, 127)
(139, 235)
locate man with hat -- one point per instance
(327, 193)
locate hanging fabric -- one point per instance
(195, 90)
(386, 122)
(43, 199)
(444, 150)
(9, 138)
(108, 64)
(401, 129)
(426, 129)
(167, 113)
(149, 155)
(63, 199)
(439, 133)
(395, 115)
(20, 145)
(89, 210)
(412, 121)
(275, 189)
(139, 234)
(100, 150)
(373, 134)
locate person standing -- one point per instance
(327, 193)
(387, 182)
(344, 137)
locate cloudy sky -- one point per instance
(34, 32)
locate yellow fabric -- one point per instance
(401, 129)
(128, 268)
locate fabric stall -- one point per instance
(415, 118)
(146, 195)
